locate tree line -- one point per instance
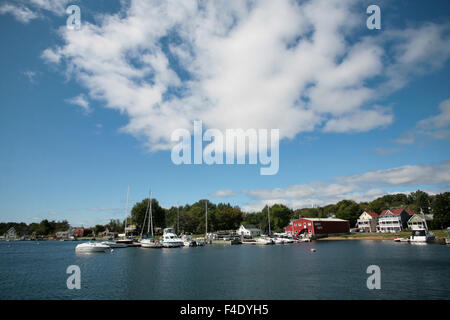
(224, 216)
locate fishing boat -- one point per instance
(88, 247)
(150, 242)
(170, 239)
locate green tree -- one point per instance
(348, 210)
(138, 215)
(441, 211)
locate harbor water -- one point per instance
(337, 270)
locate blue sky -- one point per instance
(86, 113)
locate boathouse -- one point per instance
(316, 227)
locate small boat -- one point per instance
(200, 242)
(397, 239)
(278, 240)
(421, 236)
(150, 243)
(91, 247)
(170, 239)
(188, 241)
(313, 250)
(113, 244)
(304, 240)
(264, 241)
(447, 240)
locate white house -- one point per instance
(393, 220)
(248, 230)
(420, 221)
(367, 221)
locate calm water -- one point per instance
(336, 271)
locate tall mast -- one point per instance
(151, 215)
(268, 217)
(126, 212)
(145, 219)
(178, 218)
(206, 218)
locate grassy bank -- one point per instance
(382, 236)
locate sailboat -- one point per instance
(149, 242)
(126, 240)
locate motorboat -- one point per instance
(421, 236)
(150, 243)
(170, 239)
(113, 244)
(200, 242)
(278, 240)
(188, 241)
(91, 247)
(264, 240)
(397, 239)
(304, 240)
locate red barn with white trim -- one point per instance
(318, 226)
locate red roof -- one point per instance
(395, 212)
(371, 213)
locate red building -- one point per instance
(318, 226)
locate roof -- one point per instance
(396, 212)
(250, 227)
(324, 219)
(372, 214)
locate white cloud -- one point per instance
(30, 75)
(360, 187)
(408, 175)
(434, 128)
(82, 102)
(26, 10)
(243, 64)
(360, 120)
(21, 13)
(56, 6)
(223, 193)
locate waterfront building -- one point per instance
(420, 221)
(316, 227)
(367, 221)
(393, 220)
(248, 230)
(82, 232)
(11, 234)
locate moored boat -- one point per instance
(264, 240)
(113, 244)
(421, 236)
(170, 239)
(88, 247)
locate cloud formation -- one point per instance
(433, 128)
(294, 66)
(223, 193)
(360, 187)
(19, 12)
(82, 102)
